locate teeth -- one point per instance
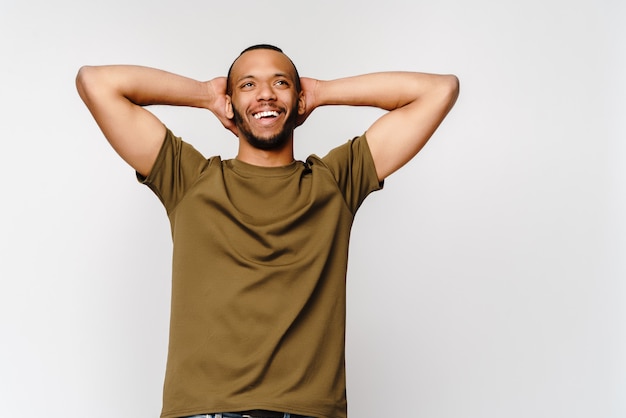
(266, 114)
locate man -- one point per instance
(261, 240)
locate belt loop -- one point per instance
(287, 415)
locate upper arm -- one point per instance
(134, 133)
(400, 134)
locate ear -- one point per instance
(228, 108)
(301, 104)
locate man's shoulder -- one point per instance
(342, 152)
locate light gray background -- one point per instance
(486, 280)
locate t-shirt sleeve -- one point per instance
(176, 169)
(353, 167)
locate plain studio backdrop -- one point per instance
(486, 280)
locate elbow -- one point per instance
(83, 75)
(453, 87)
(457, 85)
(92, 80)
(449, 89)
(84, 78)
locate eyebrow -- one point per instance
(285, 75)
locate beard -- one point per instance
(276, 141)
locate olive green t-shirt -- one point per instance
(258, 281)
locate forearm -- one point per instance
(143, 86)
(116, 96)
(389, 90)
(417, 103)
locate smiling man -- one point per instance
(273, 114)
(260, 241)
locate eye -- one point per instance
(284, 83)
(247, 85)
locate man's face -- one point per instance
(264, 100)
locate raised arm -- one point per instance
(116, 96)
(417, 102)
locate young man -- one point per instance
(261, 240)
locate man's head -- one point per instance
(229, 87)
(264, 96)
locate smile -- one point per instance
(267, 114)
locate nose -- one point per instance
(266, 92)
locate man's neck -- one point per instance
(265, 158)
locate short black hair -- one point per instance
(229, 89)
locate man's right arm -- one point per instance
(116, 96)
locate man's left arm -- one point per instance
(417, 104)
